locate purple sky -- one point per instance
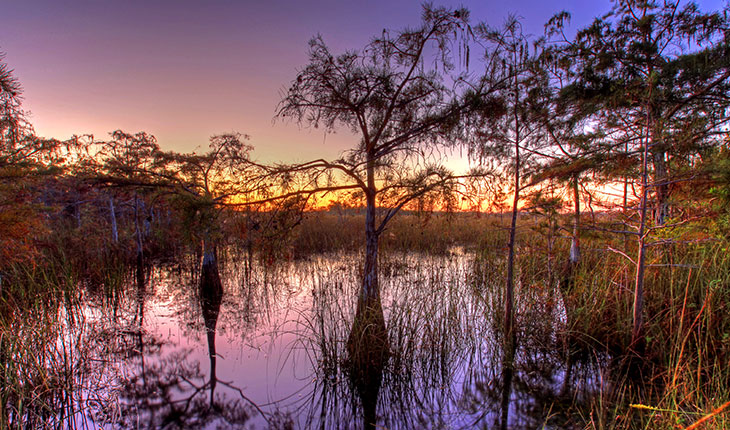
(185, 70)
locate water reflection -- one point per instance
(508, 362)
(368, 352)
(211, 297)
(167, 388)
(283, 347)
(415, 379)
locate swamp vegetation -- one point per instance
(269, 344)
(577, 277)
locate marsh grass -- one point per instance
(691, 336)
(37, 352)
(431, 326)
(684, 371)
(443, 318)
(443, 321)
(574, 367)
(436, 233)
(50, 372)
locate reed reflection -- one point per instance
(430, 355)
(444, 363)
(410, 375)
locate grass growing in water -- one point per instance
(442, 318)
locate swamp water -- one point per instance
(270, 350)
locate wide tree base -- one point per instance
(368, 352)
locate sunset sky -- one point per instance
(185, 70)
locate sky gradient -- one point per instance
(185, 70)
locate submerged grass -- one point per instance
(46, 380)
(443, 313)
(35, 374)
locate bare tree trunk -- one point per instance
(250, 227)
(637, 331)
(249, 258)
(509, 318)
(626, 188)
(661, 185)
(137, 231)
(510, 341)
(626, 207)
(509, 332)
(552, 229)
(115, 232)
(210, 261)
(370, 290)
(568, 275)
(210, 286)
(575, 240)
(148, 222)
(367, 344)
(140, 249)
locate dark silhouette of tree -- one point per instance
(513, 139)
(12, 121)
(128, 161)
(15, 159)
(200, 186)
(26, 162)
(205, 184)
(660, 74)
(394, 95)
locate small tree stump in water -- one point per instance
(368, 340)
(368, 352)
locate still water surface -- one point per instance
(270, 351)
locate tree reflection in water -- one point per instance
(368, 351)
(211, 297)
(444, 365)
(434, 360)
(414, 377)
(169, 390)
(541, 383)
